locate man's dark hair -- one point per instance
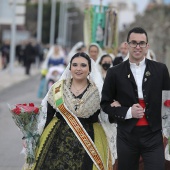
(138, 30)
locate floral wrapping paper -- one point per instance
(166, 120)
(25, 117)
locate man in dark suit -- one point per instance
(30, 54)
(137, 85)
(123, 53)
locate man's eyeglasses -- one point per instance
(134, 44)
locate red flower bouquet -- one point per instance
(25, 117)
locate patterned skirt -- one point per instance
(60, 149)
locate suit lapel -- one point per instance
(129, 75)
(148, 74)
(146, 77)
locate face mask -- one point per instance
(106, 66)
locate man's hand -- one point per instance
(137, 111)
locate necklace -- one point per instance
(77, 91)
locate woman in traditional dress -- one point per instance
(78, 47)
(72, 137)
(95, 51)
(105, 63)
(55, 57)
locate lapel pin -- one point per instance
(147, 73)
(145, 79)
(128, 75)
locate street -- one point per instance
(11, 137)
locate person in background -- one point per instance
(123, 53)
(53, 75)
(30, 54)
(78, 47)
(72, 137)
(105, 64)
(137, 84)
(40, 54)
(95, 51)
(55, 57)
(151, 55)
(5, 51)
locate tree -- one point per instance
(157, 24)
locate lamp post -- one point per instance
(52, 25)
(61, 23)
(13, 38)
(39, 24)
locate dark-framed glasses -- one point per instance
(134, 44)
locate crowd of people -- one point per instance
(102, 111)
(26, 53)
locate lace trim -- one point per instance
(85, 107)
(50, 100)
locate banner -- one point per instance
(94, 24)
(88, 17)
(101, 27)
(111, 30)
(98, 24)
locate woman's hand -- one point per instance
(115, 104)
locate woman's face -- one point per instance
(106, 63)
(79, 68)
(93, 52)
(56, 49)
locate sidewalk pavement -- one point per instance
(8, 79)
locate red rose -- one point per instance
(25, 108)
(31, 104)
(167, 103)
(36, 110)
(17, 110)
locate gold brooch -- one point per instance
(147, 73)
